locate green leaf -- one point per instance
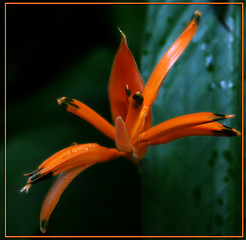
(192, 186)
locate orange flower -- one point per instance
(132, 132)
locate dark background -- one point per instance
(66, 50)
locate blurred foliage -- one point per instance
(191, 186)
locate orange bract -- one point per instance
(130, 104)
(124, 72)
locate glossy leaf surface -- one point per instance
(193, 186)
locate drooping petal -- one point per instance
(83, 111)
(180, 123)
(122, 139)
(152, 87)
(55, 193)
(124, 73)
(208, 129)
(73, 156)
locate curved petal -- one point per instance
(55, 193)
(208, 129)
(73, 156)
(180, 123)
(124, 73)
(152, 87)
(81, 110)
(122, 139)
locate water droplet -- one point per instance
(230, 85)
(203, 46)
(223, 84)
(212, 86)
(209, 63)
(231, 38)
(229, 22)
(209, 60)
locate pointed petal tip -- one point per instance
(223, 116)
(238, 133)
(43, 226)
(122, 34)
(198, 13)
(231, 132)
(196, 16)
(25, 188)
(230, 116)
(59, 100)
(64, 102)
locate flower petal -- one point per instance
(55, 193)
(179, 123)
(83, 111)
(152, 87)
(122, 139)
(124, 73)
(73, 156)
(208, 129)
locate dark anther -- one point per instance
(138, 97)
(128, 91)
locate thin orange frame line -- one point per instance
(5, 127)
(124, 3)
(242, 119)
(124, 236)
